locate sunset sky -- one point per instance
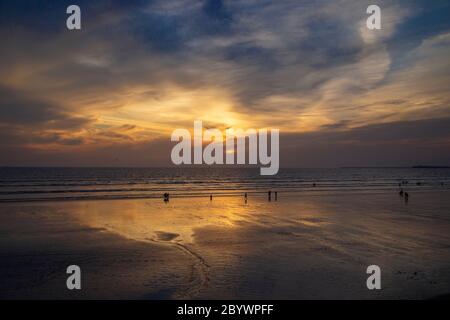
(112, 93)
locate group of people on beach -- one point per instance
(166, 196)
(402, 193)
(269, 196)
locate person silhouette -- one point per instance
(166, 197)
(401, 193)
(269, 194)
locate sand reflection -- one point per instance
(300, 246)
(155, 220)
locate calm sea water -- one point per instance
(18, 184)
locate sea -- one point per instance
(57, 183)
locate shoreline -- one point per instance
(288, 192)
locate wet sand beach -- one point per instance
(303, 246)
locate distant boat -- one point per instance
(431, 167)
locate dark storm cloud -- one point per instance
(249, 54)
(216, 18)
(49, 16)
(18, 109)
(168, 32)
(159, 32)
(428, 129)
(399, 143)
(330, 42)
(428, 21)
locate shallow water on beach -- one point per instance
(298, 247)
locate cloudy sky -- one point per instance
(112, 93)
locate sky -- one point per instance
(111, 93)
